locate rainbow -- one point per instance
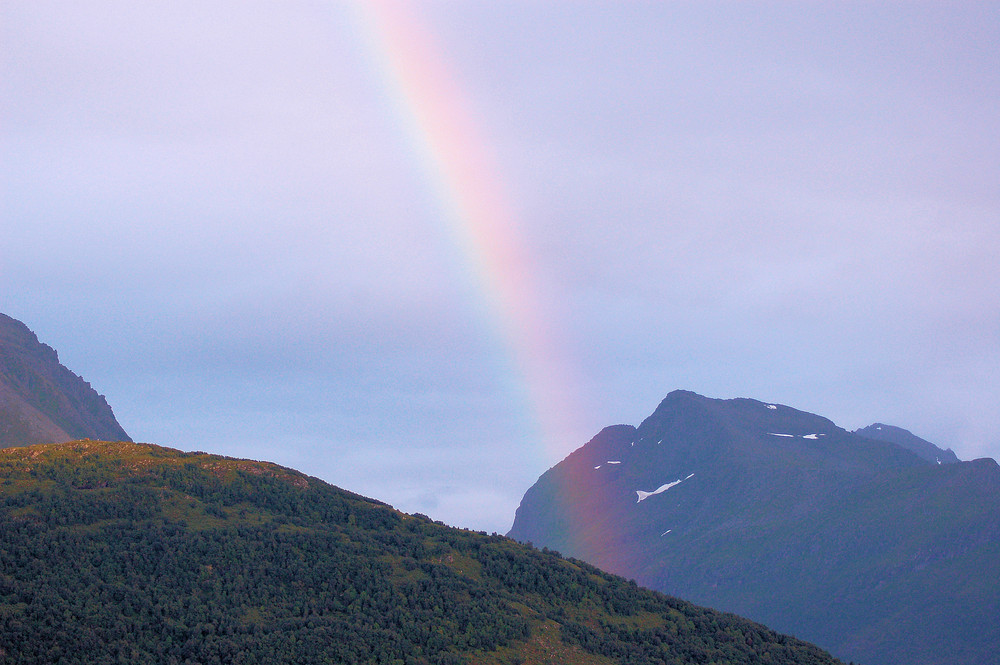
(459, 167)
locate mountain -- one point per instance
(910, 441)
(853, 543)
(40, 400)
(124, 552)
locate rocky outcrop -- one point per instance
(41, 401)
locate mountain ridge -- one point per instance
(906, 439)
(771, 512)
(42, 401)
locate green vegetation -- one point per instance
(130, 553)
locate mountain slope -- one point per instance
(910, 441)
(122, 552)
(40, 400)
(856, 544)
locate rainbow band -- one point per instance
(467, 186)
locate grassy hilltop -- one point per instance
(114, 552)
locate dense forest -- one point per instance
(131, 553)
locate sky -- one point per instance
(425, 250)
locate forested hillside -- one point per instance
(121, 552)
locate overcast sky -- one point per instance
(424, 251)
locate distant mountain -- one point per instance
(122, 552)
(40, 400)
(853, 543)
(910, 441)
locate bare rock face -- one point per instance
(41, 401)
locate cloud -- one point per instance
(215, 214)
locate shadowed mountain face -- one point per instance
(123, 552)
(854, 543)
(910, 441)
(40, 400)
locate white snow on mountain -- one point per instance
(771, 406)
(662, 488)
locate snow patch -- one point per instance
(613, 461)
(662, 488)
(771, 406)
(665, 533)
(598, 466)
(810, 436)
(790, 436)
